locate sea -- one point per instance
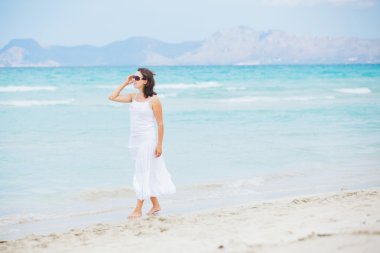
(232, 135)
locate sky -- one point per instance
(95, 22)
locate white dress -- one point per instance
(151, 177)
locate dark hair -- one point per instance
(148, 87)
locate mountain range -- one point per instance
(239, 45)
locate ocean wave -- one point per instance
(239, 183)
(219, 190)
(235, 88)
(201, 85)
(12, 88)
(109, 86)
(95, 194)
(363, 90)
(21, 218)
(34, 217)
(211, 190)
(84, 195)
(28, 103)
(165, 95)
(274, 99)
(125, 192)
(250, 182)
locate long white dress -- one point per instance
(151, 177)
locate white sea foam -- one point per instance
(218, 190)
(363, 90)
(95, 194)
(109, 86)
(125, 192)
(13, 88)
(28, 103)
(274, 99)
(239, 183)
(212, 190)
(201, 85)
(165, 95)
(21, 218)
(250, 182)
(33, 217)
(235, 88)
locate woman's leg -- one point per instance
(138, 209)
(156, 206)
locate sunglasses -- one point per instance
(137, 78)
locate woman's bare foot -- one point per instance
(134, 214)
(154, 210)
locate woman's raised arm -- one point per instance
(115, 96)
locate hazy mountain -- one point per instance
(239, 45)
(243, 45)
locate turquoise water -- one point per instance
(230, 133)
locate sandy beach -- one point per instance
(344, 221)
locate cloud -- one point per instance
(358, 3)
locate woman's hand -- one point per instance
(129, 80)
(158, 150)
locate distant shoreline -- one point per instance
(163, 66)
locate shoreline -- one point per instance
(333, 220)
(217, 197)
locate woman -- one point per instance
(151, 178)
